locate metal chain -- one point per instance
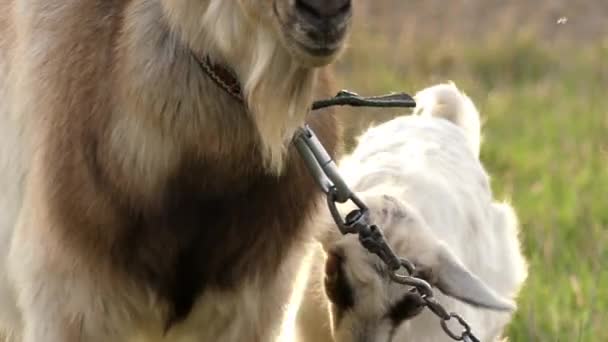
(428, 296)
(325, 172)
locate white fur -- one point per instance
(426, 188)
(446, 101)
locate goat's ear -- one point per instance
(453, 279)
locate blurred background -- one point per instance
(538, 72)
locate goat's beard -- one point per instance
(279, 95)
(277, 90)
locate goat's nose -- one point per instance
(323, 9)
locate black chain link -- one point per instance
(326, 174)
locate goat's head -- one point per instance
(366, 305)
(313, 31)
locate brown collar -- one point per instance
(222, 76)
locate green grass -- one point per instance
(545, 112)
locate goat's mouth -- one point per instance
(313, 31)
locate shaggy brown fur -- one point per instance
(145, 177)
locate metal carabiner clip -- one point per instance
(321, 165)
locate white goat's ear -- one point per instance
(453, 279)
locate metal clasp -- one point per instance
(321, 165)
(325, 172)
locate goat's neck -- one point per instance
(168, 112)
(277, 90)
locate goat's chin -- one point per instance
(308, 53)
(308, 58)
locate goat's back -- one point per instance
(428, 163)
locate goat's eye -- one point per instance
(409, 306)
(337, 287)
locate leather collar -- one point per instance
(221, 76)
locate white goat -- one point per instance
(426, 188)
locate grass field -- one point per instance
(544, 105)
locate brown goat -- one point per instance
(141, 201)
